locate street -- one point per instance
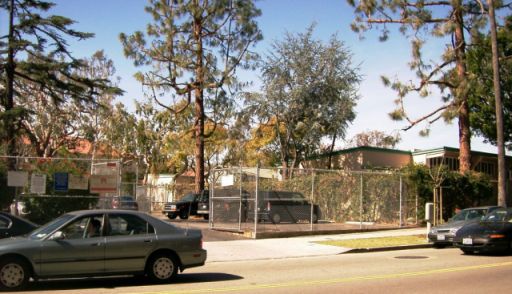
(403, 271)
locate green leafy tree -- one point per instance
(34, 51)
(194, 48)
(418, 21)
(50, 126)
(375, 139)
(309, 93)
(104, 123)
(481, 99)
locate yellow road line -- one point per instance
(338, 280)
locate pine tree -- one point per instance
(35, 53)
(194, 48)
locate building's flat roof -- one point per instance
(396, 151)
(360, 148)
(453, 149)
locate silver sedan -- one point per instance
(99, 243)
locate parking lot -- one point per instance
(270, 230)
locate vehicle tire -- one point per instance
(14, 274)
(172, 215)
(184, 214)
(206, 216)
(439, 246)
(467, 252)
(276, 218)
(315, 218)
(162, 268)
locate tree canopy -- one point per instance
(194, 48)
(481, 99)
(450, 21)
(309, 94)
(36, 65)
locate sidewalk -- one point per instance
(278, 248)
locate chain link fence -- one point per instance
(258, 201)
(44, 188)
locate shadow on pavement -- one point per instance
(125, 281)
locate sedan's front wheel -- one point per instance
(14, 274)
(468, 252)
(162, 268)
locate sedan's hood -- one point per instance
(14, 242)
(451, 225)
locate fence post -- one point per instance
(361, 204)
(311, 203)
(401, 203)
(240, 201)
(256, 216)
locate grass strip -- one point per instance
(378, 242)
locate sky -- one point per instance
(108, 18)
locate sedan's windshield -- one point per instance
(468, 214)
(43, 231)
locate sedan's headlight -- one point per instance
(433, 231)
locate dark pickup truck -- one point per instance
(187, 206)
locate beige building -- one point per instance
(364, 157)
(361, 158)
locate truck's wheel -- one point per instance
(172, 215)
(184, 214)
(276, 218)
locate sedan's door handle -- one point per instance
(148, 240)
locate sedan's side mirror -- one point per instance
(59, 235)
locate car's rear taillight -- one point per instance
(496, 236)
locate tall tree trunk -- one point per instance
(9, 93)
(461, 93)
(199, 108)
(329, 164)
(502, 197)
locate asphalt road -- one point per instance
(405, 271)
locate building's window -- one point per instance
(487, 168)
(450, 162)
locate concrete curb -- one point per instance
(391, 248)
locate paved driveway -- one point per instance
(200, 223)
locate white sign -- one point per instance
(17, 178)
(78, 182)
(103, 184)
(228, 180)
(38, 184)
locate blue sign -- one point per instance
(61, 182)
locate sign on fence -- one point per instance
(38, 184)
(61, 182)
(17, 178)
(78, 182)
(103, 184)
